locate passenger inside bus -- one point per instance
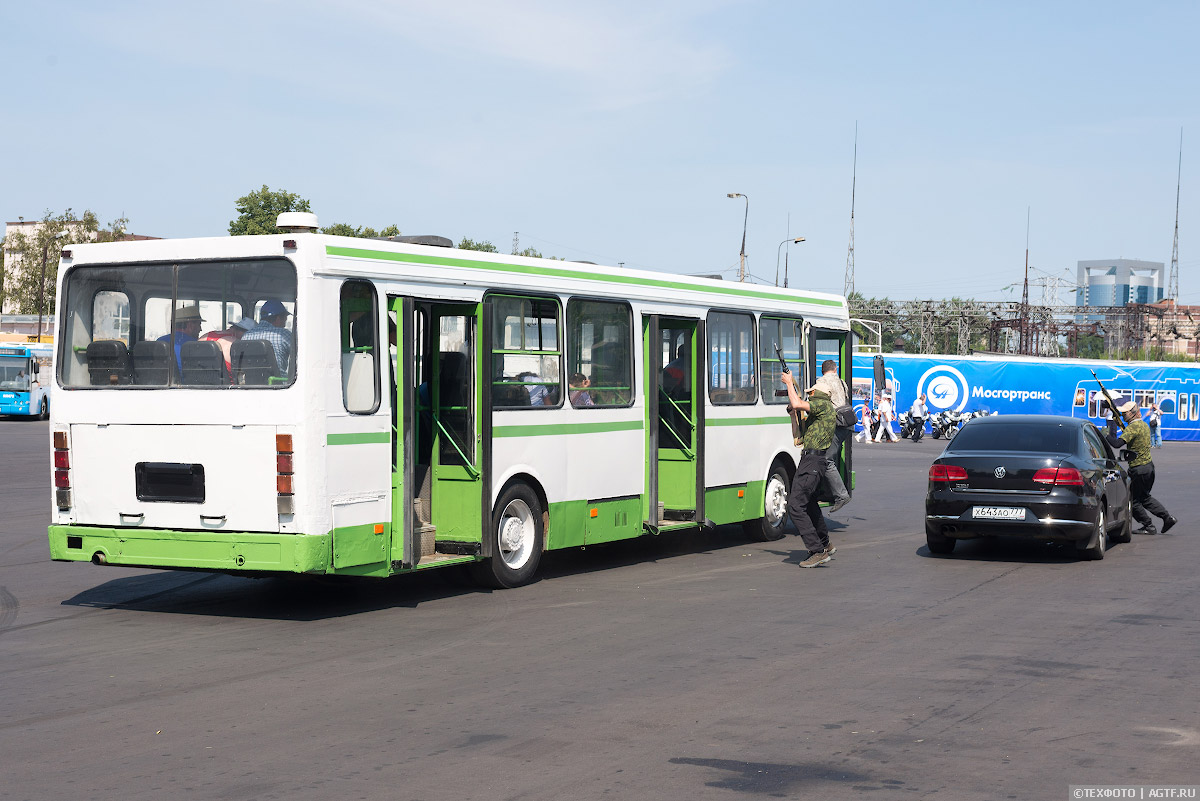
(226, 338)
(272, 328)
(187, 329)
(580, 395)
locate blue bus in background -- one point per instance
(26, 375)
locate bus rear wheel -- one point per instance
(516, 534)
(769, 527)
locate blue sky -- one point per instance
(612, 131)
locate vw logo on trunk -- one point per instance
(999, 472)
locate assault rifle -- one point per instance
(797, 439)
(1112, 404)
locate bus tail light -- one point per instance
(62, 471)
(283, 474)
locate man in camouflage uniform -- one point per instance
(802, 506)
(1136, 438)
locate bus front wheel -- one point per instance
(769, 527)
(516, 536)
(45, 413)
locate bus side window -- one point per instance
(732, 377)
(785, 333)
(600, 343)
(526, 352)
(359, 347)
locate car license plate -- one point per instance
(997, 513)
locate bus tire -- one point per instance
(769, 527)
(516, 533)
(45, 413)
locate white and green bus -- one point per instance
(309, 404)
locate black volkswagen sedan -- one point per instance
(1032, 476)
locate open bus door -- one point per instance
(675, 426)
(826, 344)
(438, 472)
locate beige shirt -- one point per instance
(831, 385)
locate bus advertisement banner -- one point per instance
(1025, 385)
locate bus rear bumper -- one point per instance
(198, 550)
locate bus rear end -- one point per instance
(175, 430)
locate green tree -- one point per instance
(345, 229)
(471, 244)
(258, 210)
(22, 286)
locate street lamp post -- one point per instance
(795, 241)
(745, 219)
(42, 282)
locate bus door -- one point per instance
(446, 429)
(675, 430)
(824, 345)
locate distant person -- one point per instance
(919, 412)
(579, 394)
(226, 338)
(866, 414)
(187, 329)
(886, 415)
(1154, 420)
(833, 386)
(272, 322)
(1136, 438)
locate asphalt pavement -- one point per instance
(697, 666)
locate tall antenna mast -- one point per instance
(848, 285)
(1173, 280)
(1024, 343)
(516, 242)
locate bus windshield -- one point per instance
(14, 373)
(226, 324)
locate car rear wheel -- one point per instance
(1096, 551)
(939, 544)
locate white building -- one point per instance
(1117, 282)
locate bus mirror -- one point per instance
(37, 368)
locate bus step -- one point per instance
(425, 534)
(459, 548)
(675, 515)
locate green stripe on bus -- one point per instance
(748, 421)
(565, 428)
(558, 272)
(358, 439)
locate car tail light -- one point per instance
(62, 471)
(1059, 477)
(947, 472)
(283, 474)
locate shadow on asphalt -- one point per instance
(307, 598)
(1001, 549)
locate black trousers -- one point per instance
(802, 506)
(1141, 481)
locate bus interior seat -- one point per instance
(109, 363)
(152, 363)
(452, 381)
(253, 362)
(203, 363)
(506, 395)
